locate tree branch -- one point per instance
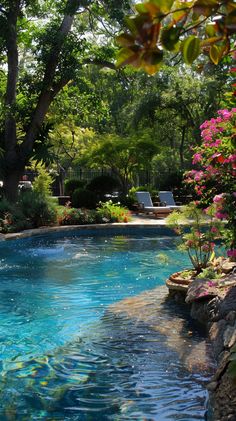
(101, 63)
(58, 86)
(49, 91)
(12, 77)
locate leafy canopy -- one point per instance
(190, 28)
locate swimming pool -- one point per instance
(69, 352)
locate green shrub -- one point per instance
(5, 207)
(103, 184)
(38, 209)
(72, 216)
(113, 212)
(131, 199)
(12, 218)
(151, 189)
(73, 184)
(42, 184)
(126, 201)
(82, 198)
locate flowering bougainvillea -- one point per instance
(214, 179)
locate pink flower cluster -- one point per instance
(231, 253)
(219, 201)
(215, 159)
(207, 247)
(197, 157)
(219, 198)
(215, 156)
(212, 129)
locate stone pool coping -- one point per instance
(137, 222)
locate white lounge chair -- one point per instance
(146, 205)
(167, 199)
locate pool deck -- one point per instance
(138, 221)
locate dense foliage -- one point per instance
(214, 180)
(189, 28)
(43, 45)
(32, 211)
(137, 124)
(199, 241)
(113, 212)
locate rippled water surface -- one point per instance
(73, 349)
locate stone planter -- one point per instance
(179, 282)
(185, 277)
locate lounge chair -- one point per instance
(167, 199)
(145, 205)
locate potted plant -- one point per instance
(198, 231)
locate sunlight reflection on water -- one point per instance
(73, 347)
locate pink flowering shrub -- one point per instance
(214, 180)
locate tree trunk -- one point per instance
(12, 173)
(10, 184)
(125, 184)
(62, 175)
(181, 148)
(17, 156)
(49, 90)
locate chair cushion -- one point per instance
(143, 197)
(167, 198)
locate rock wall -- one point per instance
(219, 313)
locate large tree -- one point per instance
(42, 46)
(166, 108)
(123, 156)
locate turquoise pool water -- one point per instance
(65, 352)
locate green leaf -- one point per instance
(153, 58)
(169, 38)
(230, 22)
(191, 49)
(205, 7)
(210, 30)
(135, 23)
(151, 69)
(130, 23)
(149, 7)
(125, 56)
(207, 3)
(141, 8)
(215, 54)
(125, 40)
(164, 5)
(230, 6)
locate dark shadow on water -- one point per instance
(124, 368)
(127, 368)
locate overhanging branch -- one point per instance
(101, 63)
(49, 91)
